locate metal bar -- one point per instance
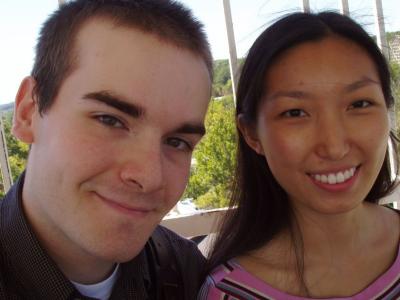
(4, 165)
(306, 5)
(380, 29)
(232, 46)
(383, 45)
(344, 7)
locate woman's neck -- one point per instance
(343, 233)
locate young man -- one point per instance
(112, 111)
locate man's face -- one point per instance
(112, 155)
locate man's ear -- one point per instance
(24, 111)
(249, 133)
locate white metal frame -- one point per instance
(305, 4)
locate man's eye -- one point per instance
(294, 113)
(110, 121)
(179, 144)
(360, 104)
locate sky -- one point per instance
(20, 21)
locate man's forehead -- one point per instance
(98, 31)
(103, 30)
(160, 80)
(100, 36)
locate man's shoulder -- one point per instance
(184, 255)
(172, 235)
(178, 244)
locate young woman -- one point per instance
(312, 113)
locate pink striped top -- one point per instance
(231, 282)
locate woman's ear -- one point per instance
(24, 111)
(249, 133)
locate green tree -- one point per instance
(221, 71)
(395, 71)
(221, 77)
(391, 35)
(17, 150)
(222, 84)
(214, 158)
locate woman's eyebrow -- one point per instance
(296, 94)
(289, 94)
(365, 81)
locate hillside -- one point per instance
(7, 107)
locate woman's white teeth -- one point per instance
(334, 178)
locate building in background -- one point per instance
(394, 46)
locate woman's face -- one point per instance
(323, 125)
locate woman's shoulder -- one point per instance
(228, 279)
(221, 272)
(210, 289)
(232, 280)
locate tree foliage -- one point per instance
(395, 71)
(214, 158)
(391, 35)
(17, 150)
(222, 85)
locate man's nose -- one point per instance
(143, 169)
(332, 138)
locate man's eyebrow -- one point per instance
(191, 129)
(116, 102)
(360, 83)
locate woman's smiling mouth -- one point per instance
(334, 178)
(335, 181)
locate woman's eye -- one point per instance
(294, 113)
(179, 144)
(110, 121)
(361, 104)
